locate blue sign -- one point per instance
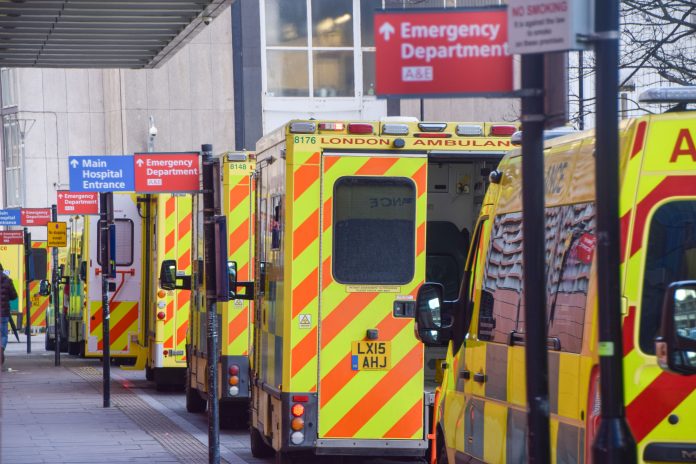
(101, 174)
(10, 217)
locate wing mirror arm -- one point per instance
(169, 278)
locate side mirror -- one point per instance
(45, 288)
(433, 316)
(83, 271)
(235, 286)
(167, 277)
(675, 345)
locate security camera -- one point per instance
(207, 20)
(153, 131)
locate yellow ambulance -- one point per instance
(481, 412)
(342, 213)
(77, 286)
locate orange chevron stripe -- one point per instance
(184, 297)
(169, 242)
(305, 292)
(341, 374)
(329, 161)
(37, 312)
(379, 395)
(306, 175)
(345, 312)
(170, 206)
(421, 180)
(328, 214)
(376, 166)
(409, 424)
(185, 225)
(184, 260)
(238, 194)
(326, 277)
(420, 239)
(243, 272)
(121, 326)
(181, 332)
(304, 351)
(239, 237)
(238, 325)
(170, 311)
(305, 234)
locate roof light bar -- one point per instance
(669, 95)
(395, 129)
(432, 126)
(503, 130)
(471, 130)
(302, 127)
(360, 128)
(332, 126)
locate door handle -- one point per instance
(480, 377)
(465, 374)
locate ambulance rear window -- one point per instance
(124, 242)
(374, 226)
(670, 257)
(39, 262)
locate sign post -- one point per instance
(106, 218)
(55, 280)
(27, 279)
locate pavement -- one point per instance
(54, 415)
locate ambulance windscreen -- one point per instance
(374, 230)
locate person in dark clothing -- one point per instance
(7, 294)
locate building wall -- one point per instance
(105, 112)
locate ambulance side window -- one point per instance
(374, 230)
(124, 242)
(276, 229)
(670, 257)
(501, 293)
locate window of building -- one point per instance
(374, 230)
(124, 242)
(12, 157)
(670, 257)
(8, 83)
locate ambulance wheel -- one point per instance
(194, 402)
(73, 348)
(64, 346)
(441, 448)
(49, 344)
(259, 448)
(149, 373)
(81, 351)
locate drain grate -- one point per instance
(175, 440)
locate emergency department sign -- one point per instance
(35, 216)
(57, 234)
(443, 53)
(77, 202)
(11, 237)
(166, 172)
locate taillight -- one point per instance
(234, 380)
(297, 424)
(161, 294)
(161, 315)
(234, 369)
(300, 398)
(594, 413)
(297, 410)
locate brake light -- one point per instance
(594, 411)
(161, 315)
(297, 424)
(300, 398)
(234, 369)
(234, 380)
(331, 126)
(360, 128)
(503, 130)
(432, 136)
(297, 410)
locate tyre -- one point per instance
(49, 344)
(63, 345)
(441, 448)
(149, 373)
(259, 448)
(194, 402)
(73, 348)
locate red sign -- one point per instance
(78, 202)
(36, 216)
(584, 250)
(444, 52)
(166, 172)
(11, 237)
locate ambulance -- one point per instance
(352, 217)
(236, 188)
(65, 278)
(77, 301)
(127, 336)
(166, 237)
(481, 411)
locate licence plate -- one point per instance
(371, 356)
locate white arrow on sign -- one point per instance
(140, 163)
(60, 195)
(74, 163)
(386, 30)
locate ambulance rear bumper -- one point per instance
(346, 447)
